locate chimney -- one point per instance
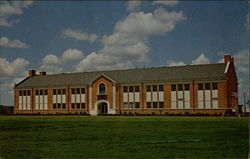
(227, 58)
(43, 73)
(32, 73)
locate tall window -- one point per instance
(102, 88)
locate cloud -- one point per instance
(241, 60)
(79, 35)
(166, 2)
(5, 42)
(133, 5)
(175, 63)
(10, 8)
(13, 68)
(129, 42)
(202, 59)
(51, 62)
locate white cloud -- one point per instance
(242, 61)
(166, 2)
(10, 8)
(51, 62)
(133, 5)
(5, 42)
(176, 63)
(79, 35)
(13, 68)
(202, 59)
(129, 42)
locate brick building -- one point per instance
(205, 89)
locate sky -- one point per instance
(78, 36)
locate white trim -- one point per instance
(90, 97)
(114, 97)
(227, 67)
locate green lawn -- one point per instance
(123, 137)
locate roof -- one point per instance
(172, 73)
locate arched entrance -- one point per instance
(102, 108)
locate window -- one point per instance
(148, 88)
(46, 92)
(136, 88)
(20, 93)
(160, 87)
(83, 105)
(214, 86)
(63, 91)
(63, 106)
(131, 105)
(77, 90)
(137, 104)
(200, 86)
(73, 91)
(207, 86)
(187, 87)
(73, 105)
(41, 92)
(125, 104)
(154, 104)
(131, 89)
(148, 104)
(125, 89)
(24, 92)
(59, 91)
(173, 87)
(78, 105)
(83, 90)
(28, 92)
(54, 106)
(37, 92)
(161, 104)
(154, 88)
(180, 87)
(54, 91)
(102, 88)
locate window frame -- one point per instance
(105, 89)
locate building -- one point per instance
(204, 89)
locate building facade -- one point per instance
(193, 89)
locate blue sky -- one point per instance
(89, 35)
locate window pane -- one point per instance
(136, 88)
(131, 105)
(28, 92)
(24, 92)
(160, 87)
(215, 86)
(125, 89)
(78, 105)
(180, 87)
(131, 89)
(20, 93)
(154, 88)
(58, 106)
(73, 91)
(83, 105)
(154, 104)
(54, 106)
(125, 105)
(37, 92)
(46, 92)
(102, 88)
(59, 91)
(63, 91)
(173, 87)
(207, 86)
(200, 86)
(137, 104)
(54, 91)
(77, 90)
(148, 104)
(64, 106)
(83, 90)
(161, 104)
(73, 105)
(41, 92)
(148, 88)
(187, 87)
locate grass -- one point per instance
(123, 137)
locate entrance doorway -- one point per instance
(102, 108)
